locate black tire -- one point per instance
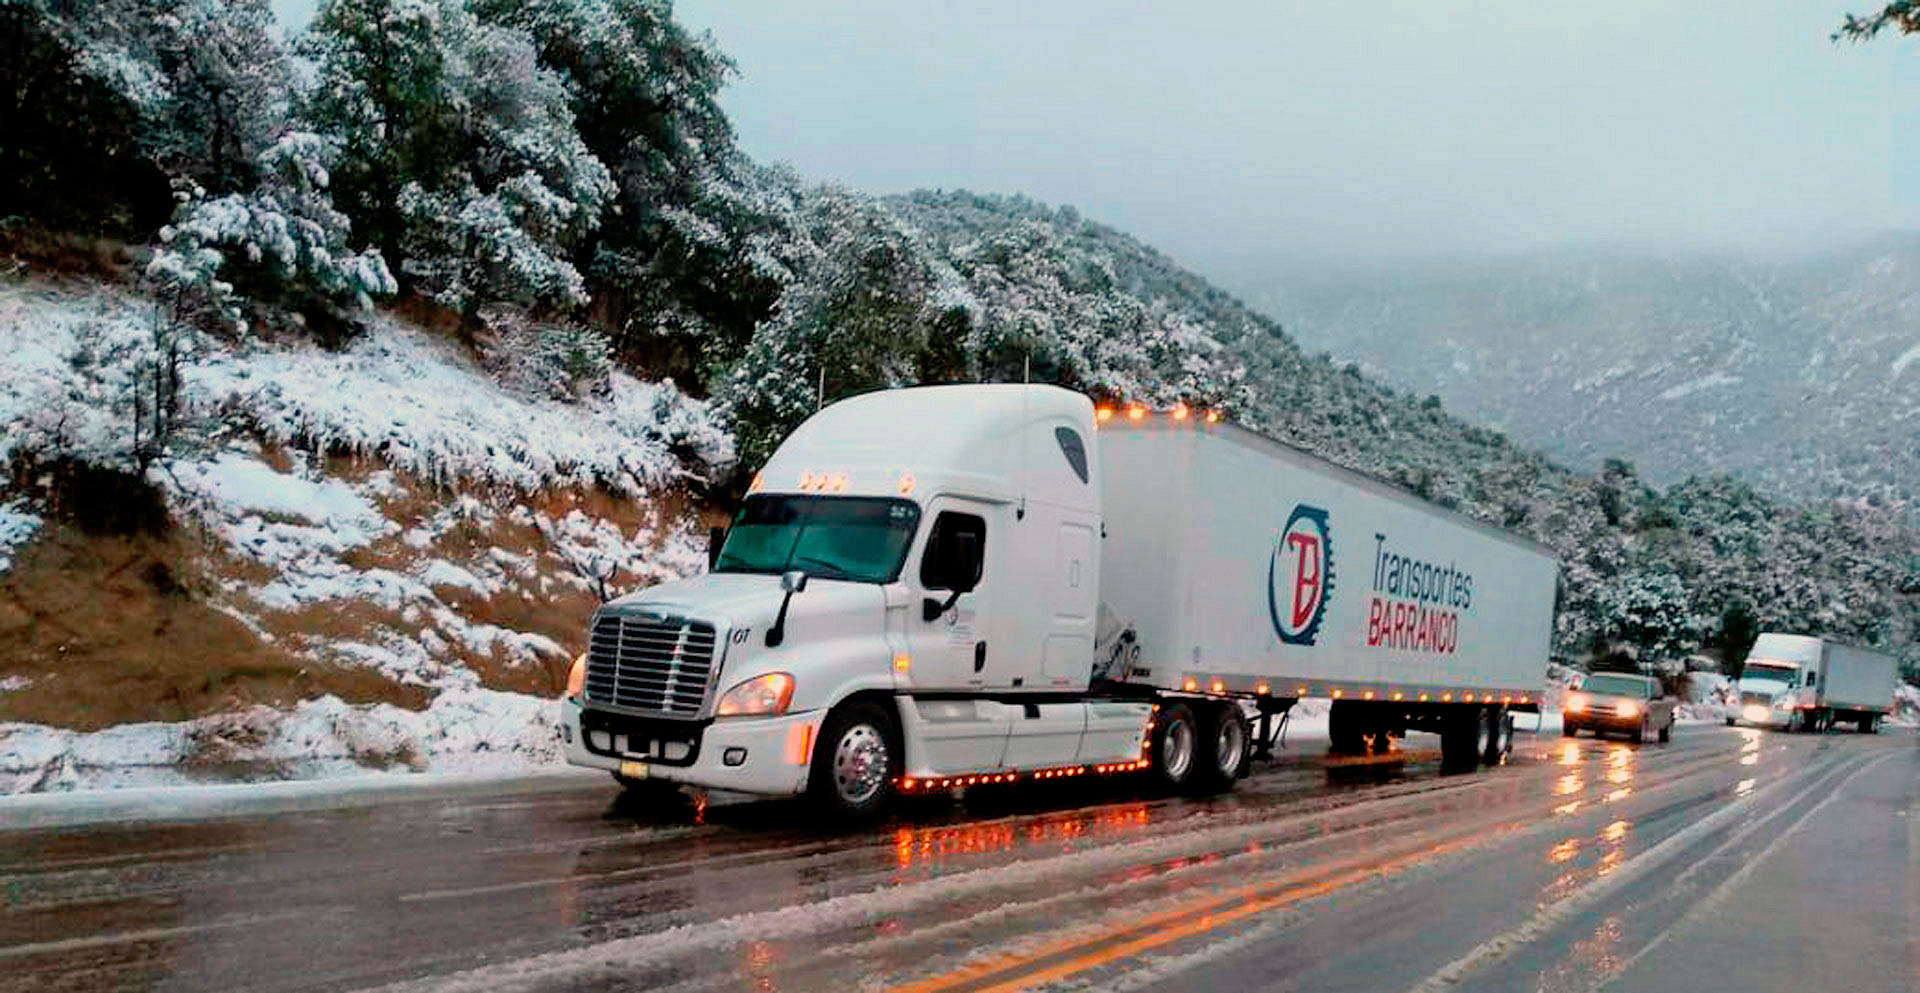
(1499, 736)
(855, 762)
(1639, 734)
(1225, 744)
(1666, 732)
(1463, 738)
(1868, 724)
(1174, 747)
(1569, 730)
(1346, 731)
(1731, 721)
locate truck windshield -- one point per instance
(1777, 673)
(862, 539)
(1617, 686)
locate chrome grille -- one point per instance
(650, 663)
(1762, 699)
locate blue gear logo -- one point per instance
(1300, 576)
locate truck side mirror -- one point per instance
(792, 582)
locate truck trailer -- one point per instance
(939, 587)
(1802, 683)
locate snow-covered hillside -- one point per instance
(1799, 374)
(389, 516)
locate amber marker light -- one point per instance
(906, 484)
(1262, 689)
(1190, 685)
(902, 662)
(759, 483)
(1180, 412)
(1136, 413)
(1213, 417)
(1103, 413)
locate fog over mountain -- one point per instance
(1800, 373)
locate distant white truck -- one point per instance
(1801, 683)
(947, 586)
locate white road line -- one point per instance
(1718, 894)
(1499, 947)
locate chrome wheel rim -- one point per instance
(1483, 742)
(1176, 749)
(1229, 746)
(859, 764)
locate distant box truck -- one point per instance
(1802, 683)
(946, 586)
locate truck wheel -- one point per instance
(1175, 745)
(1464, 738)
(1731, 721)
(1666, 732)
(1570, 730)
(1223, 732)
(1499, 738)
(855, 762)
(1346, 732)
(1867, 723)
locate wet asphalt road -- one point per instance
(1729, 859)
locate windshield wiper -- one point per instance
(838, 572)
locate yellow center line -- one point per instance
(1005, 973)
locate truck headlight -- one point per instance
(1755, 713)
(1783, 702)
(764, 695)
(577, 677)
(1576, 703)
(1627, 708)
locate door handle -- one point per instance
(979, 655)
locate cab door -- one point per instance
(951, 611)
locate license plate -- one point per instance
(633, 770)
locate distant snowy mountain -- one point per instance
(1801, 375)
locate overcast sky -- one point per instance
(1233, 133)
(1246, 135)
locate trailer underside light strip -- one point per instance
(909, 784)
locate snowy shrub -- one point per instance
(545, 360)
(282, 241)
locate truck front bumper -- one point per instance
(765, 755)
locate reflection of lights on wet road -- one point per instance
(760, 961)
(1570, 753)
(1744, 787)
(1568, 808)
(1750, 748)
(1610, 861)
(1569, 784)
(1564, 850)
(1619, 775)
(1616, 831)
(1620, 794)
(914, 846)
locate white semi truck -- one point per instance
(1802, 683)
(944, 586)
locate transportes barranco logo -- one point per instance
(1300, 576)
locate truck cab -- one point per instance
(1778, 682)
(907, 595)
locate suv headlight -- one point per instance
(1627, 708)
(762, 695)
(1576, 703)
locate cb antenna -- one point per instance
(820, 392)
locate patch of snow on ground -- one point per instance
(17, 527)
(14, 684)
(1907, 358)
(462, 731)
(1705, 382)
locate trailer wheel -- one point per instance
(1175, 744)
(1464, 738)
(855, 762)
(1867, 723)
(1223, 732)
(1499, 735)
(1346, 731)
(1731, 721)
